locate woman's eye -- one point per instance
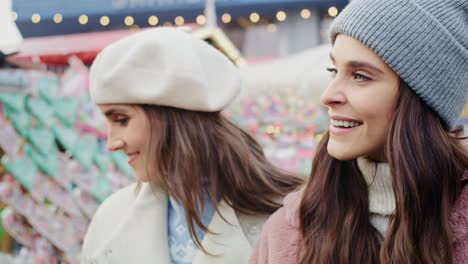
(121, 120)
(333, 71)
(360, 77)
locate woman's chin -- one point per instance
(142, 177)
(339, 153)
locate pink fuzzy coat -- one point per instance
(280, 239)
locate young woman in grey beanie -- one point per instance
(388, 183)
(204, 186)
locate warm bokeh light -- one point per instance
(281, 16)
(226, 18)
(271, 28)
(83, 19)
(179, 20)
(153, 20)
(105, 20)
(129, 21)
(201, 20)
(36, 18)
(58, 18)
(305, 13)
(333, 11)
(254, 17)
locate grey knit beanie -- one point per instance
(424, 41)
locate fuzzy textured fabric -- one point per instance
(281, 238)
(424, 41)
(167, 67)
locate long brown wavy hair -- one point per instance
(427, 164)
(202, 153)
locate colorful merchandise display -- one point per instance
(54, 170)
(287, 126)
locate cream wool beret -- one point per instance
(164, 66)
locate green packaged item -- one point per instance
(43, 139)
(48, 87)
(66, 110)
(48, 163)
(121, 161)
(15, 101)
(67, 137)
(20, 120)
(102, 188)
(85, 149)
(2, 230)
(41, 110)
(23, 169)
(103, 161)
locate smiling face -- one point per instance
(128, 130)
(361, 101)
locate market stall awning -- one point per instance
(57, 49)
(47, 13)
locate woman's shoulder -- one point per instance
(459, 224)
(286, 219)
(107, 216)
(280, 237)
(288, 215)
(291, 206)
(114, 207)
(459, 215)
(120, 198)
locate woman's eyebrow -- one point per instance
(361, 64)
(112, 111)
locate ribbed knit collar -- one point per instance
(379, 179)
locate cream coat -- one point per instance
(131, 227)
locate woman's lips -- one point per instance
(336, 130)
(340, 125)
(132, 157)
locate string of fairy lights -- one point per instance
(153, 20)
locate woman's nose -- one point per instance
(333, 95)
(114, 144)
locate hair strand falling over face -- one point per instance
(202, 153)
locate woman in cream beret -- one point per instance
(204, 186)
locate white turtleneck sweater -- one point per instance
(381, 196)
